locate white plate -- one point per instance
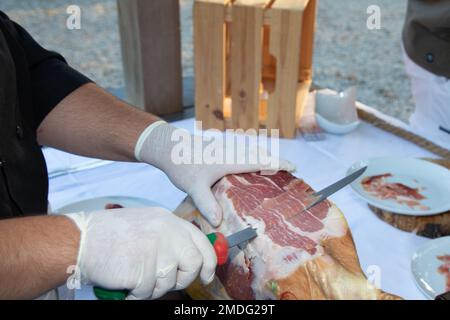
(99, 203)
(424, 265)
(433, 178)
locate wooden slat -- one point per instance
(308, 9)
(285, 26)
(209, 46)
(227, 59)
(228, 49)
(303, 89)
(297, 5)
(294, 4)
(246, 62)
(307, 40)
(151, 51)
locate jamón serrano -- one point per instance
(378, 187)
(310, 255)
(110, 206)
(444, 269)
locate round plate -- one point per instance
(433, 179)
(99, 203)
(424, 266)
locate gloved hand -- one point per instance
(148, 251)
(160, 146)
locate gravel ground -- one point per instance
(346, 52)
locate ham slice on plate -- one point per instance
(378, 187)
(310, 255)
(444, 269)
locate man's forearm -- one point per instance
(92, 122)
(35, 253)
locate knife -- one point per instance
(221, 246)
(444, 129)
(335, 187)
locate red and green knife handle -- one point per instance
(219, 243)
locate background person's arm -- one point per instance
(94, 123)
(35, 255)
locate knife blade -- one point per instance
(240, 237)
(444, 129)
(332, 189)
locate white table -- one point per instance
(380, 246)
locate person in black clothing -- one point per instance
(426, 52)
(150, 251)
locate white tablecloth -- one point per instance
(319, 163)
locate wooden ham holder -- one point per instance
(253, 62)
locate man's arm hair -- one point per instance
(91, 122)
(35, 254)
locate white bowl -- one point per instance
(336, 128)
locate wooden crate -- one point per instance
(253, 62)
(151, 54)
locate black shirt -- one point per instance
(32, 82)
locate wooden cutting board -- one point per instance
(428, 226)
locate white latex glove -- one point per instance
(155, 147)
(148, 251)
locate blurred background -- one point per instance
(346, 52)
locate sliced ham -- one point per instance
(444, 269)
(297, 255)
(378, 187)
(110, 206)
